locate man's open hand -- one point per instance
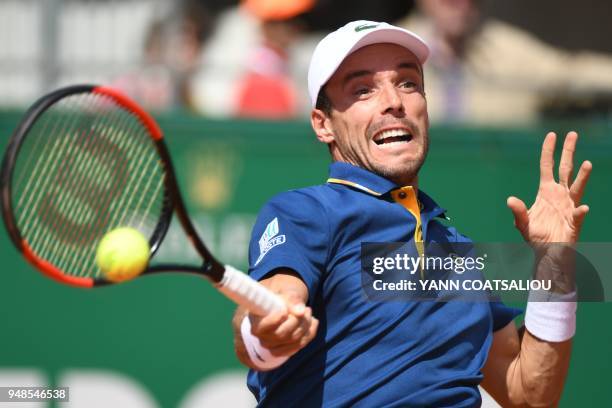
(557, 214)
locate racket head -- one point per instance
(84, 160)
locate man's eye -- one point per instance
(408, 84)
(362, 91)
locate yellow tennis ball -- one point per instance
(123, 253)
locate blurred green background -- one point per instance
(170, 333)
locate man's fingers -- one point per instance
(519, 210)
(577, 188)
(298, 309)
(547, 160)
(295, 304)
(312, 332)
(267, 324)
(309, 335)
(292, 328)
(292, 347)
(286, 328)
(292, 333)
(304, 326)
(579, 214)
(566, 165)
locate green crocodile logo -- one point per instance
(365, 27)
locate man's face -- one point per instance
(379, 113)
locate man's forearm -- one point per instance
(537, 375)
(540, 368)
(525, 371)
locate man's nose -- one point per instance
(391, 100)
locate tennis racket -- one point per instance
(85, 160)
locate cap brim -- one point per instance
(402, 38)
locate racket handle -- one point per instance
(245, 291)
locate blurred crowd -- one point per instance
(250, 60)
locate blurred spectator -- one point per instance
(485, 71)
(223, 59)
(260, 43)
(171, 53)
(266, 90)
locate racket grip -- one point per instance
(249, 293)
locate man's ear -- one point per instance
(321, 124)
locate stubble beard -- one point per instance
(405, 173)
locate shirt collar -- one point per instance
(373, 184)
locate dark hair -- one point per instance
(323, 102)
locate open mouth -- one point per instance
(392, 136)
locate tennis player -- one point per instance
(334, 347)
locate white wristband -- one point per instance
(551, 321)
(260, 356)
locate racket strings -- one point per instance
(39, 202)
(102, 148)
(95, 171)
(56, 175)
(152, 183)
(53, 166)
(86, 166)
(67, 175)
(44, 162)
(131, 189)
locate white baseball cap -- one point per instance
(336, 46)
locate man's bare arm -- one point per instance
(531, 371)
(526, 372)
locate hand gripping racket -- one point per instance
(85, 160)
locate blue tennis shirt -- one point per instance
(367, 353)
